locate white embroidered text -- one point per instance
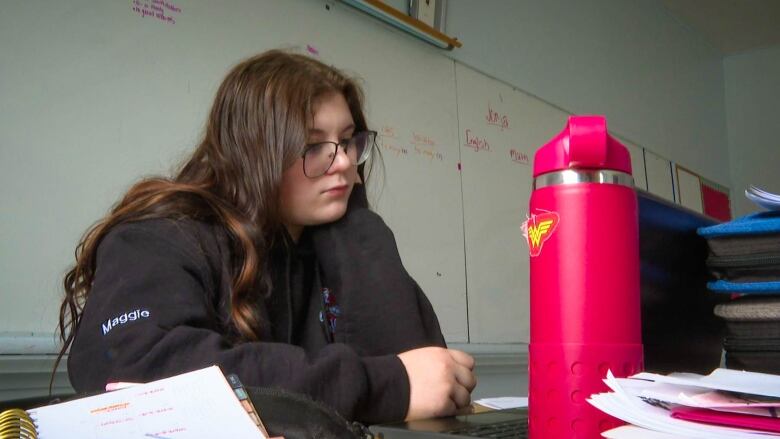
(124, 318)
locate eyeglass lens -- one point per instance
(319, 157)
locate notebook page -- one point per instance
(192, 405)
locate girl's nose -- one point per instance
(341, 162)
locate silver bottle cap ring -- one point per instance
(578, 176)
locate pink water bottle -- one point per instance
(583, 241)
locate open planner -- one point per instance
(203, 403)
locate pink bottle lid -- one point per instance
(583, 144)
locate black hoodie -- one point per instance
(159, 306)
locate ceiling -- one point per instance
(732, 26)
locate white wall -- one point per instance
(752, 83)
(659, 84)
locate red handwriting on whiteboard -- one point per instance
(421, 139)
(387, 131)
(390, 143)
(476, 143)
(496, 119)
(429, 153)
(394, 149)
(519, 157)
(158, 9)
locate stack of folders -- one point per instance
(744, 260)
(724, 404)
(198, 404)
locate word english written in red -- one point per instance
(476, 143)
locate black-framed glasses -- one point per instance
(319, 157)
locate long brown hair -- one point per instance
(256, 129)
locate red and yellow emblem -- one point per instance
(538, 229)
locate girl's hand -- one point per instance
(440, 381)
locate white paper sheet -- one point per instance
(503, 402)
(192, 405)
(763, 198)
(753, 383)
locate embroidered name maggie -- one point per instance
(124, 318)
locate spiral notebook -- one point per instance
(198, 404)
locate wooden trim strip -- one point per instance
(419, 25)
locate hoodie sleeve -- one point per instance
(151, 314)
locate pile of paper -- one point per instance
(725, 404)
(763, 198)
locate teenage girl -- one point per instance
(261, 255)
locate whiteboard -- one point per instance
(97, 95)
(500, 129)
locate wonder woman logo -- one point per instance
(539, 228)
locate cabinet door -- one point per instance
(689, 189)
(637, 164)
(659, 176)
